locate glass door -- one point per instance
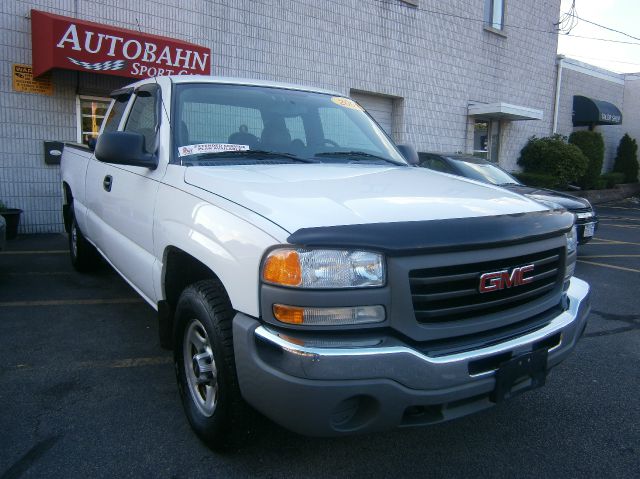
(486, 139)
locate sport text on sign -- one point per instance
(24, 82)
(611, 118)
(72, 44)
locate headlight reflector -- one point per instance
(323, 268)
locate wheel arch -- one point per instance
(67, 203)
(180, 269)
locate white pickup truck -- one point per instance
(300, 264)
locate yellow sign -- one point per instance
(346, 102)
(24, 82)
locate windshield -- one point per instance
(484, 172)
(242, 124)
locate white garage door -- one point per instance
(379, 107)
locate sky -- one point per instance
(623, 15)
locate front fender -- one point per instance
(230, 246)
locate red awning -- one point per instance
(72, 44)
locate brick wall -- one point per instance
(437, 63)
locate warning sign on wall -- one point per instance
(24, 82)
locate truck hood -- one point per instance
(569, 202)
(296, 196)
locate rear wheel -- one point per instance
(205, 366)
(84, 256)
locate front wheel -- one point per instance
(205, 365)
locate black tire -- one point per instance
(204, 312)
(84, 256)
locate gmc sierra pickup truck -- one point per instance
(299, 264)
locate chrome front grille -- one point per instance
(451, 293)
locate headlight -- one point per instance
(323, 268)
(572, 240)
(582, 216)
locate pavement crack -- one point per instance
(624, 318)
(25, 462)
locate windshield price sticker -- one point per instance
(346, 103)
(210, 148)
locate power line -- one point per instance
(606, 28)
(601, 39)
(568, 20)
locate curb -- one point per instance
(617, 193)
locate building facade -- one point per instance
(475, 76)
(620, 91)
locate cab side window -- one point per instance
(142, 119)
(115, 114)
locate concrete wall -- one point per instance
(435, 63)
(631, 109)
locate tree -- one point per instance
(627, 159)
(552, 156)
(592, 145)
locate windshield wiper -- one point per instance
(254, 154)
(357, 154)
(509, 184)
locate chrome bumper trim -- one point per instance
(398, 362)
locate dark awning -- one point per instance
(587, 112)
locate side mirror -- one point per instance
(92, 144)
(409, 153)
(124, 148)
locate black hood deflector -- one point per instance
(455, 234)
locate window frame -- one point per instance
(79, 115)
(489, 15)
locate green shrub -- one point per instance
(592, 145)
(612, 179)
(554, 157)
(627, 159)
(536, 179)
(600, 184)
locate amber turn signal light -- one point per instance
(288, 314)
(337, 316)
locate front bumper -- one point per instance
(581, 225)
(323, 388)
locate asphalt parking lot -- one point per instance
(86, 390)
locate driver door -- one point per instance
(124, 198)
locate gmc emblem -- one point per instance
(504, 279)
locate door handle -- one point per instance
(106, 183)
